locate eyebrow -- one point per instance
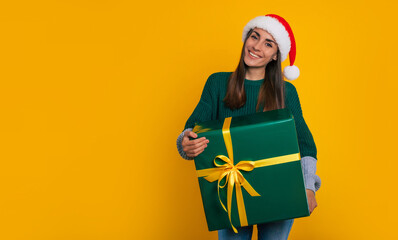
(267, 39)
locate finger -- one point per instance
(187, 142)
(192, 144)
(196, 142)
(193, 148)
(200, 148)
(195, 152)
(313, 207)
(199, 145)
(190, 134)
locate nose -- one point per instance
(256, 46)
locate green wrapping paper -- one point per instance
(280, 186)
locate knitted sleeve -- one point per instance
(203, 110)
(306, 142)
(307, 145)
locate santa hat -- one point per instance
(283, 35)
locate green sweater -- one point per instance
(211, 107)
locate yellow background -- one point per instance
(93, 95)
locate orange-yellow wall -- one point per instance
(93, 95)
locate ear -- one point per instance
(275, 56)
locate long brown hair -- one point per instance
(271, 93)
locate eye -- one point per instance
(269, 45)
(253, 36)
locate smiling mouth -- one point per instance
(252, 54)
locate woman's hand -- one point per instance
(193, 147)
(311, 200)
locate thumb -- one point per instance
(190, 134)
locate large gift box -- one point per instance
(250, 172)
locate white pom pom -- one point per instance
(291, 72)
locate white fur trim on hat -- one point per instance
(273, 27)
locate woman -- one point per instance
(257, 85)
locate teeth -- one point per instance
(253, 55)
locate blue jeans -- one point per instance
(266, 231)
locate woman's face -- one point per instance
(260, 49)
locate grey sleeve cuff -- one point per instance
(179, 145)
(311, 180)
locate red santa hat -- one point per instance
(283, 35)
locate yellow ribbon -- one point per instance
(234, 177)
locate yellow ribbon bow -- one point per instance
(233, 178)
